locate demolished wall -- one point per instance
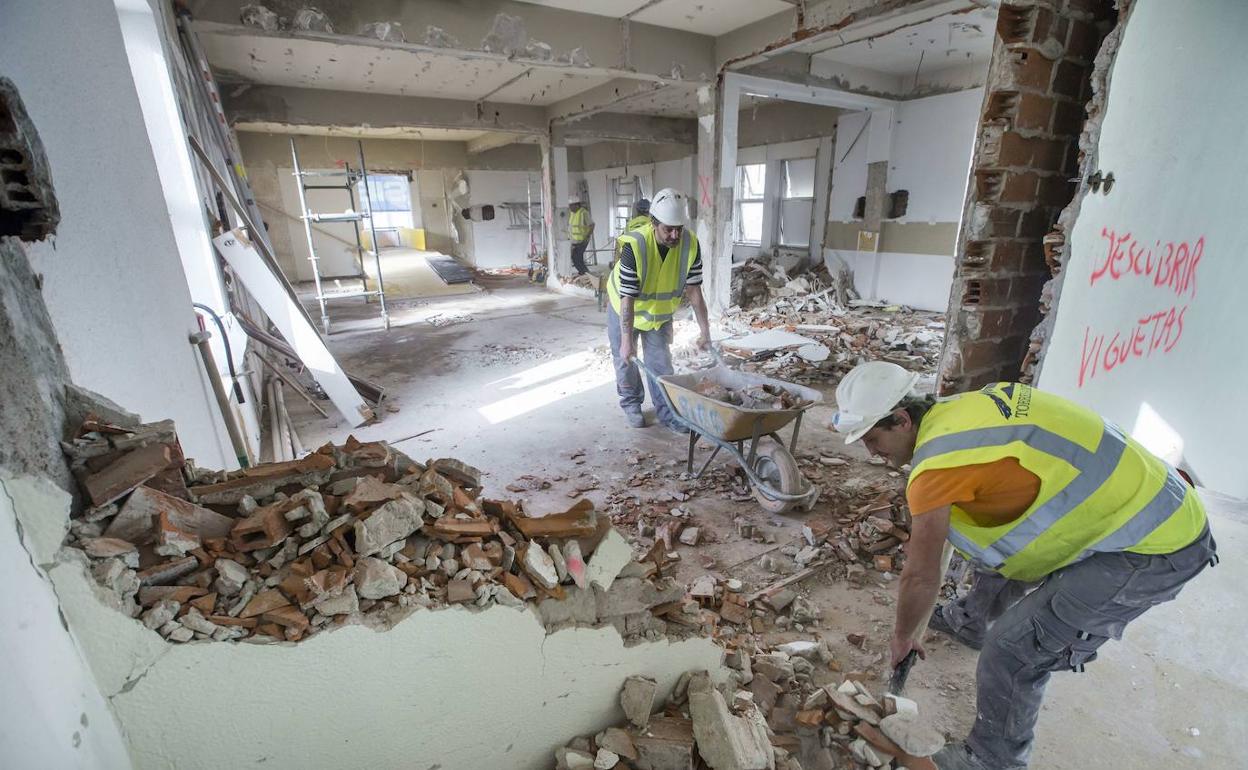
(1026, 154)
(357, 594)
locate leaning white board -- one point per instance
(277, 304)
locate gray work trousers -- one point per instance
(654, 351)
(1058, 627)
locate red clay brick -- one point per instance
(1028, 69)
(127, 472)
(1019, 187)
(1069, 77)
(1033, 112)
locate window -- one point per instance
(749, 215)
(391, 198)
(797, 201)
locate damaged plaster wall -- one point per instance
(433, 167)
(1150, 310)
(455, 688)
(775, 122)
(114, 286)
(932, 142)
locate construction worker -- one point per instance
(580, 229)
(641, 216)
(1074, 527)
(659, 264)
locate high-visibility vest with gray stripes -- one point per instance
(1100, 490)
(662, 280)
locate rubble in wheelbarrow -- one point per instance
(357, 533)
(755, 397)
(780, 708)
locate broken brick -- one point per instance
(288, 616)
(263, 529)
(459, 591)
(263, 602)
(126, 473)
(169, 571)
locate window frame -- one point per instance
(741, 200)
(784, 198)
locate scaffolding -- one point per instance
(350, 177)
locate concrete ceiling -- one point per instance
(667, 102)
(705, 17)
(303, 63)
(947, 41)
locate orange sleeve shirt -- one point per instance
(992, 494)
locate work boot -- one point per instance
(635, 418)
(958, 756)
(939, 623)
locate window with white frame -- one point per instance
(749, 200)
(390, 196)
(797, 201)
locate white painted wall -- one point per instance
(51, 711)
(494, 243)
(929, 155)
(1180, 73)
(113, 280)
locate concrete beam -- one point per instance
(839, 22)
(318, 107)
(615, 126)
(600, 99)
(645, 51)
(491, 141)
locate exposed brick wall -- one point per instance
(1026, 158)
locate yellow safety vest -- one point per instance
(1100, 490)
(578, 225)
(637, 222)
(662, 280)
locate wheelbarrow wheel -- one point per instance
(774, 465)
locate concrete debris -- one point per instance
(588, 282)
(357, 533)
(609, 559)
(310, 19)
(506, 355)
(912, 735)
(577, 57)
(436, 37)
(256, 15)
(727, 741)
(637, 699)
(507, 36)
(388, 31)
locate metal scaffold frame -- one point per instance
(351, 215)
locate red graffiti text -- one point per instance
(1171, 264)
(1154, 334)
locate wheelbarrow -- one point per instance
(777, 483)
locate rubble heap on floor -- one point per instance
(777, 710)
(756, 397)
(819, 311)
(358, 533)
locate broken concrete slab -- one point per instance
(912, 735)
(611, 555)
(392, 521)
(375, 579)
(539, 566)
(637, 699)
(666, 744)
(725, 741)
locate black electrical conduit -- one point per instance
(229, 356)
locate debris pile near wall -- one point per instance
(351, 533)
(864, 331)
(778, 710)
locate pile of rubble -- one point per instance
(776, 711)
(584, 281)
(358, 533)
(825, 312)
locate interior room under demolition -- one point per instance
(316, 455)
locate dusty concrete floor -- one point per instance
(527, 412)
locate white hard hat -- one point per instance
(868, 394)
(574, 199)
(669, 207)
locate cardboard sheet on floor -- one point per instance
(286, 314)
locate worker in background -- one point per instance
(641, 216)
(580, 229)
(658, 265)
(1075, 528)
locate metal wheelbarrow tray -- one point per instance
(771, 468)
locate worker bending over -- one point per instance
(659, 264)
(580, 229)
(1074, 528)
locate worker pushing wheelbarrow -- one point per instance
(700, 402)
